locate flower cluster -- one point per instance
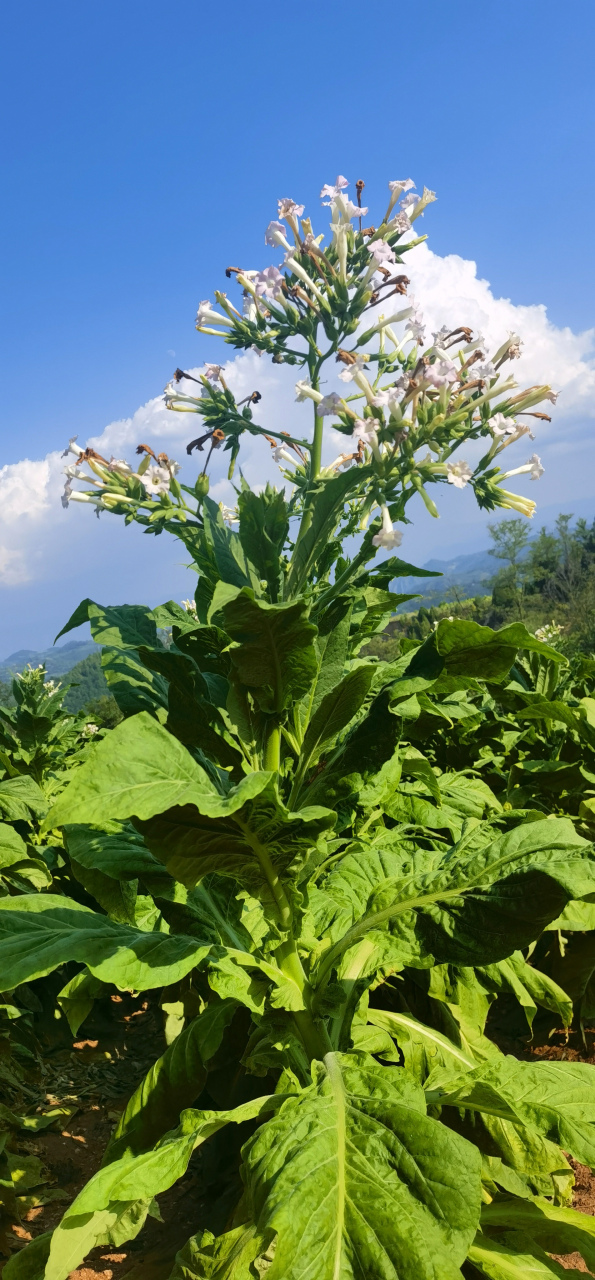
(406, 406)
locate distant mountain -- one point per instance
(58, 662)
(469, 574)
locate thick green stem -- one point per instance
(316, 453)
(272, 754)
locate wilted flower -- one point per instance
(459, 474)
(268, 283)
(388, 536)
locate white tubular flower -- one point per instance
(388, 536)
(212, 372)
(416, 331)
(332, 191)
(552, 396)
(190, 607)
(459, 474)
(365, 430)
(305, 391)
(275, 236)
(70, 448)
(441, 336)
(382, 252)
(346, 209)
(84, 497)
(67, 495)
(533, 468)
(400, 315)
(249, 308)
(75, 472)
(329, 405)
(348, 373)
(268, 283)
(441, 373)
(297, 270)
(427, 198)
(390, 399)
(396, 190)
(207, 315)
(120, 466)
(485, 371)
(342, 463)
(501, 426)
(156, 481)
(281, 454)
(478, 342)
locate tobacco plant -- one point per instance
(329, 952)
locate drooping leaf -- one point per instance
(130, 682)
(556, 1228)
(20, 798)
(122, 626)
(513, 1256)
(78, 997)
(38, 932)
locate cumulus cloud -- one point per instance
(37, 536)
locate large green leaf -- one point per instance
(173, 1082)
(555, 1099)
(513, 1256)
(273, 653)
(255, 841)
(20, 798)
(138, 770)
(238, 1255)
(38, 932)
(123, 626)
(264, 525)
(359, 1183)
(358, 759)
(466, 649)
(130, 682)
(232, 565)
(481, 906)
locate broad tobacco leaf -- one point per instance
(272, 653)
(38, 932)
(358, 1182)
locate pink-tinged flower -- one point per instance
(365, 429)
(289, 209)
(268, 283)
(401, 223)
(382, 252)
(391, 397)
(459, 474)
(409, 201)
(212, 372)
(329, 405)
(276, 235)
(389, 536)
(416, 331)
(332, 191)
(441, 373)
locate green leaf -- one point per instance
(479, 907)
(555, 1227)
(264, 525)
(123, 626)
(78, 997)
(437, 1049)
(358, 1182)
(272, 654)
(336, 709)
(230, 559)
(513, 1257)
(173, 1082)
(138, 770)
(555, 1099)
(130, 682)
(20, 799)
(327, 509)
(358, 759)
(29, 1263)
(255, 840)
(233, 1256)
(124, 1188)
(332, 646)
(38, 932)
(12, 846)
(117, 898)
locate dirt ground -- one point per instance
(95, 1075)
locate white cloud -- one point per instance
(37, 536)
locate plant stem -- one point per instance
(272, 755)
(316, 454)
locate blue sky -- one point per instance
(144, 148)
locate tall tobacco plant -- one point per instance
(326, 952)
